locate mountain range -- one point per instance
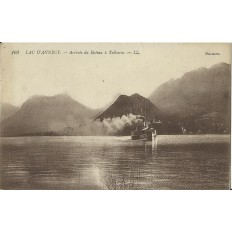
(199, 101)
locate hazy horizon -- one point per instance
(94, 80)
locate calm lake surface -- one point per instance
(177, 162)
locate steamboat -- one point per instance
(148, 131)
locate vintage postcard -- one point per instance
(115, 116)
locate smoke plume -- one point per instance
(109, 126)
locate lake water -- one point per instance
(177, 162)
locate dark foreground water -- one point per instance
(179, 162)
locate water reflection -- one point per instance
(112, 163)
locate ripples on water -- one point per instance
(179, 162)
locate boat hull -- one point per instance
(147, 136)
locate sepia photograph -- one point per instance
(115, 116)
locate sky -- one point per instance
(95, 79)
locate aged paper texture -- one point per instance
(115, 116)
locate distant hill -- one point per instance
(134, 104)
(202, 95)
(7, 110)
(44, 115)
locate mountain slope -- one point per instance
(103, 108)
(200, 91)
(200, 98)
(42, 114)
(8, 110)
(134, 104)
